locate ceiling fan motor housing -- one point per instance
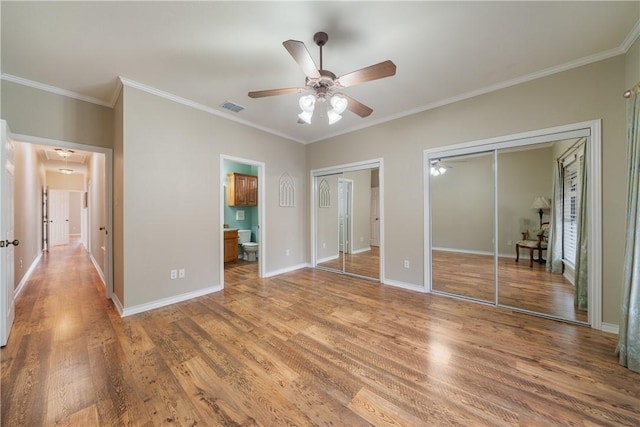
(323, 87)
(320, 38)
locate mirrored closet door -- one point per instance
(462, 217)
(540, 191)
(515, 224)
(347, 221)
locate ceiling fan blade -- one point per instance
(357, 107)
(273, 92)
(301, 55)
(373, 72)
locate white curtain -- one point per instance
(554, 248)
(629, 334)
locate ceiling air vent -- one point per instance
(233, 107)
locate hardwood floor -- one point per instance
(364, 263)
(532, 289)
(239, 271)
(304, 348)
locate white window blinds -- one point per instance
(571, 204)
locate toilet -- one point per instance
(249, 248)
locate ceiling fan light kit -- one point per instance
(322, 85)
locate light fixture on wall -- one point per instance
(541, 203)
(437, 168)
(308, 102)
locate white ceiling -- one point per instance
(210, 52)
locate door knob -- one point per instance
(6, 243)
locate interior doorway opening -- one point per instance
(242, 214)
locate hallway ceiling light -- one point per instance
(64, 153)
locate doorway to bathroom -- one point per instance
(241, 214)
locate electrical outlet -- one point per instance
(362, 238)
(509, 243)
(406, 263)
(181, 273)
(174, 274)
(287, 252)
(324, 246)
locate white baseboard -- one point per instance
(98, 269)
(286, 270)
(167, 301)
(118, 304)
(26, 276)
(359, 251)
(404, 285)
(463, 251)
(610, 328)
(329, 258)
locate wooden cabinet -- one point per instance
(230, 245)
(242, 190)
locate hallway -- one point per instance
(55, 348)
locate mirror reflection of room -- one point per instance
(540, 207)
(348, 222)
(541, 251)
(241, 245)
(462, 218)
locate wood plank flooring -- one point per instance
(532, 289)
(303, 348)
(365, 264)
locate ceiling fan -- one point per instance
(323, 86)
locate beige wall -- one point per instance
(586, 93)
(523, 175)
(29, 181)
(171, 196)
(33, 112)
(60, 181)
(361, 208)
(463, 207)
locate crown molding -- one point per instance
(53, 89)
(631, 37)
(201, 107)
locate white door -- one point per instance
(59, 217)
(7, 307)
(375, 217)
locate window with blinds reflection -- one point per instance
(571, 194)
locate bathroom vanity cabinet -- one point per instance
(242, 190)
(230, 245)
